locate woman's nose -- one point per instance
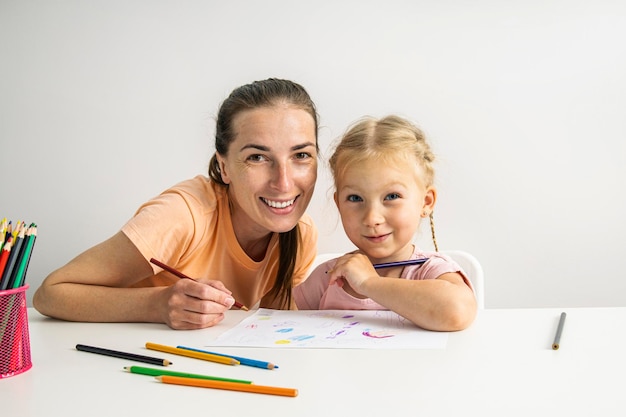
(282, 177)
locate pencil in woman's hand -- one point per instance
(181, 275)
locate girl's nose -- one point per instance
(373, 217)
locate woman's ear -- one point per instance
(221, 163)
(430, 198)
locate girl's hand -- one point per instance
(356, 269)
(190, 304)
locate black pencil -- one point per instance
(123, 355)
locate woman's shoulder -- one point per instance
(199, 191)
(198, 185)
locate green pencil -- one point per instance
(158, 372)
(20, 274)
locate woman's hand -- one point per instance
(190, 304)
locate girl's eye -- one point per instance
(354, 198)
(392, 196)
(303, 155)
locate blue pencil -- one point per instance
(401, 263)
(242, 361)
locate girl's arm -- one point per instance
(93, 287)
(443, 304)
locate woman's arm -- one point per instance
(93, 287)
(443, 304)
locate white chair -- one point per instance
(468, 263)
(474, 271)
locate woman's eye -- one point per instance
(354, 198)
(303, 155)
(256, 158)
(392, 196)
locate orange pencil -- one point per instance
(181, 275)
(192, 354)
(232, 386)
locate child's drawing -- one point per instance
(330, 329)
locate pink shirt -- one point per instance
(189, 228)
(316, 294)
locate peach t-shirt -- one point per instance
(189, 228)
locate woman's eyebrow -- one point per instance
(267, 149)
(254, 146)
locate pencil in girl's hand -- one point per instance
(123, 355)
(205, 383)
(181, 275)
(401, 263)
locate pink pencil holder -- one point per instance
(14, 336)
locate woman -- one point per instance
(241, 233)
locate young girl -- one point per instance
(383, 171)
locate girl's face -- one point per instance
(271, 168)
(381, 204)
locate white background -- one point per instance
(103, 104)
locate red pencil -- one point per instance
(181, 275)
(4, 256)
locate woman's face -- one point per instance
(271, 168)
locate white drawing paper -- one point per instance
(364, 329)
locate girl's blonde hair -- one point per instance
(385, 139)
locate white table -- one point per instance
(503, 365)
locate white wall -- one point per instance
(103, 104)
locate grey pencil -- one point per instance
(559, 330)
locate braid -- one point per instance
(432, 231)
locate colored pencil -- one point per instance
(158, 372)
(557, 338)
(192, 354)
(181, 275)
(205, 383)
(123, 355)
(401, 263)
(10, 269)
(3, 234)
(20, 274)
(4, 258)
(242, 361)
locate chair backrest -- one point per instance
(474, 271)
(466, 261)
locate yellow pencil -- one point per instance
(232, 386)
(192, 354)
